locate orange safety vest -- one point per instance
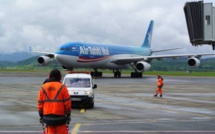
(54, 99)
(160, 82)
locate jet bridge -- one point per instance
(200, 19)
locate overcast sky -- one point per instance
(46, 24)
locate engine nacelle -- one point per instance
(44, 60)
(193, 62)
(142, 66)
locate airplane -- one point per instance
(115, 57)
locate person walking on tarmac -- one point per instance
(54, 104)
(159, 86)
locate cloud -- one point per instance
(46, 24)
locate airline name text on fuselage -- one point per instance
(94, 50)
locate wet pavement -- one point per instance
(122, 105)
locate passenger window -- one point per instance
(207, 20)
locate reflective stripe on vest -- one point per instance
(55, 98)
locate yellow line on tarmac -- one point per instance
(76, 128)
(153, 120)
(82, 110)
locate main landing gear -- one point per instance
(96, 73)
(136, 74)
(117, 73)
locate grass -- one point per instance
(181, 73)
(164, 73)
(170, 73)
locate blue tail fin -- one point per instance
(148, 37)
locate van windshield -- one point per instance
(77, 82)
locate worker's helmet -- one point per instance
(158, 75)
(56, 74)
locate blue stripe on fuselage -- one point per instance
(90, 50)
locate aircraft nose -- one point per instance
(61, 58)
(57, 57)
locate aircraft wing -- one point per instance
(161, 50)
(46, 53)
(49, 54)
(127, 60)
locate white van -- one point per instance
(81, 88)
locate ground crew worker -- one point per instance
(54, 104)
(159, 86)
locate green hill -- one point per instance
(6, 63)
(31, 61)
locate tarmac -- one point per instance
(122, 106)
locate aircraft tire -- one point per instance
(100, 74)
(117, 74)
(92, 74)
(96, 74)
(136, 75)
(132, 74)
(140, 75)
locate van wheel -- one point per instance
(91, 105)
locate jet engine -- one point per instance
(44, 60)
(142, 66)
(193, 62)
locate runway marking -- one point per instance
(152, 131)
(76, 128)
(18, 132)
(153, 120)
(82, 110)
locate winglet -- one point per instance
(148, 37)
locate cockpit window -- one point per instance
(64, 49)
